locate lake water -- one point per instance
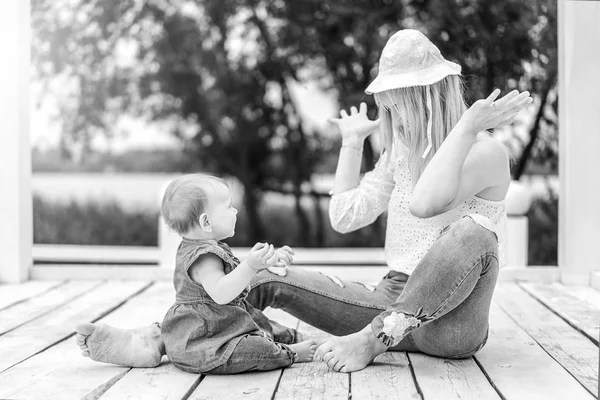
(145, 190)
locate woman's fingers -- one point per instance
(363, 108)
(353, 110)
(344, 114)
(493, 96)
(507, 98)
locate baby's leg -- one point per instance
(140, 347)
(258, 353)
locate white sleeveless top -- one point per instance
(408, 238)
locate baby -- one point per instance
(211, 328)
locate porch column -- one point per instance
(579, 139)
(16, 231)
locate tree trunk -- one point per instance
(256, 231)
(534, 132)
(319, 222)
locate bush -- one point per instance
(92, 223)
(95, 223)
(543, 230)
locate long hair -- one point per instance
(410, 106)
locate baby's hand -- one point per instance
(285, 256)
(261, 256)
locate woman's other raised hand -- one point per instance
(490, 113)
(356, 127)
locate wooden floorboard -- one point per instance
(312, 380)
(539, 348)
(571, 304)
(61, 372)
(519, 366)
(32, 308)
(570, 348)
(444, 379)
(11, 294)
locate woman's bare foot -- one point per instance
(140, 347)
(304, 350)
(352, 352)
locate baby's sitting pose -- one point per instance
(211, 328)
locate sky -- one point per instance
(314, 105)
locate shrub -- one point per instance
(543, 230)
(108, 223)
(92, 223)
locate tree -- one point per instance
(207, 67)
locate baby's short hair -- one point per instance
(185, 199)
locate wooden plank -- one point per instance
(446, 379)
(250, 386)
(28, 310)
(35, 336)
(62, 373)
(312, 380)
(576, 353)
(584, 315)
(520, 368)
(11, 294)
(165, 382)
(253, 385)
(389, 377)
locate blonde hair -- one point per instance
(186, 198)
(410, 104)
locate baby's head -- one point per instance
(199, 206)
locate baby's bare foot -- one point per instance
(140, 347)
(305, 350)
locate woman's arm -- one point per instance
(362, 204)
(461, 167)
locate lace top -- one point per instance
(408, 238)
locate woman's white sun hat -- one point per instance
(410, 59)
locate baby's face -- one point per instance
(221, 213)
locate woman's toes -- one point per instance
(85, 353)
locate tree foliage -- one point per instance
(216, 73)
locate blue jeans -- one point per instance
(441, 309)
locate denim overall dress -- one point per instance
(202, 336)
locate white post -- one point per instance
(579, 139)
(16, 231)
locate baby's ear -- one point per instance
(205, 223)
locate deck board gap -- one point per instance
(489, 378)
(123, 302)
(59, 284)
(193, 387)
(279, 379)
(100, 390)
(559, 315)
(58, 306)
(414, 376)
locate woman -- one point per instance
(443, 181)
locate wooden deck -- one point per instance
(543, 345)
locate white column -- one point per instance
(16, 231)
(579, 140)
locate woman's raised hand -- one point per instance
(490, 113)
(355, 127)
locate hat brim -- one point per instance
(423, 77)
